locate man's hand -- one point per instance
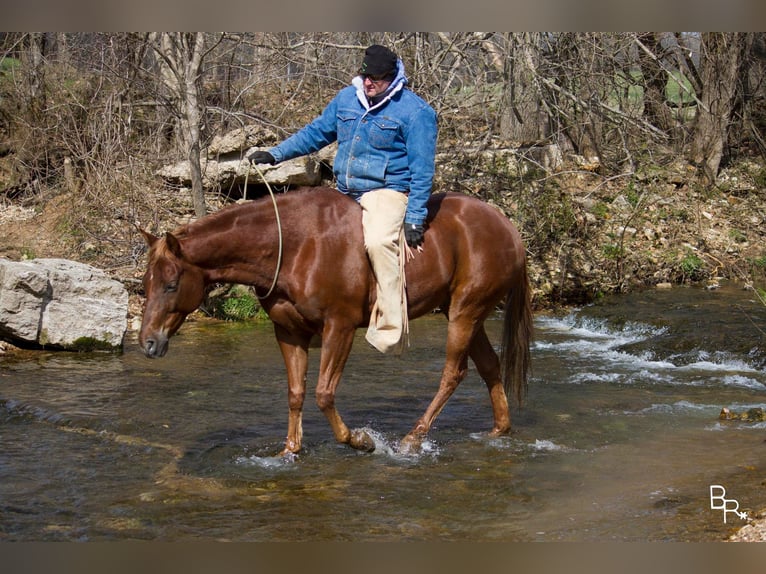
(258, 157)
(413, 234)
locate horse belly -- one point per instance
(428, 280)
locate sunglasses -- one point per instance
(376, 78)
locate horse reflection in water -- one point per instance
(306, 250)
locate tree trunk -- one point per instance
(34, 59)
(181, 67)
(721, 54)
(192, 120)
(655, 79)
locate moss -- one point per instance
(79, 345)
(89, 344)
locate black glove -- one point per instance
(413, 234)
(261, 157)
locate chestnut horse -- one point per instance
(304, 254)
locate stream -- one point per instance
(619, 439)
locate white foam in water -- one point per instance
(267, 462)
(741, 381)
(580, 378)
(719, 362)
(547, 445)
(737, 407)
(719, 426)
(678, 406)
(654, 374)
(389, 448)
(503, 442)
(598, 345)
(594, 338)
(589, 328)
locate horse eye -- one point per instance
(171, 287)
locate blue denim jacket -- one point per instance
(391, 144)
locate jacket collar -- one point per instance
(398, 83)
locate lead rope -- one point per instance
(407, 254)
(279, 227)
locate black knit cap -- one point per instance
(378, 61)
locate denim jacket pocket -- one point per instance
(345, 125)
(383, 133)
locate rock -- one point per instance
(302, 170)
(620, 203)
(224, 172)
(239, 139)
(753, 532)
(224, 163)
(753, 415)
(61, 304)
(590, 163)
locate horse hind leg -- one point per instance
(488, 365)
(455, 368)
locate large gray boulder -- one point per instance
(224, 172)
(61, 304)
(224, 163)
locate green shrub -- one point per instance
(691, 266)
(235, 303)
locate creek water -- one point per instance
(620, 437)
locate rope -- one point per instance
(279, 227)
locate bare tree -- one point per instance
(652, 59)
(107, 98)
(721, 59)
(181, 57)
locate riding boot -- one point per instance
(383, 213)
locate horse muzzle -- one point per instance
(155, 346)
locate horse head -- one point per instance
(173, 287)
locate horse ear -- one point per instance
(173, 244)
(148, 237)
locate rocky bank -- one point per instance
(586, 234)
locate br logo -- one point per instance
(718, 501)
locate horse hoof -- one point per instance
(288, 455)
(360, 440)
(410, 444)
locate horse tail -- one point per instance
(517, 337)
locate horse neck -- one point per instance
(237, 246)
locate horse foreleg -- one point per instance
(336, 346)
(295, 354)
(488, 365)
(455, 369)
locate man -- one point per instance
(385, 160)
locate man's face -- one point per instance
(375, 85)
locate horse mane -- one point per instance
(218, 217)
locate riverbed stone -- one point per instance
(61, 304)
